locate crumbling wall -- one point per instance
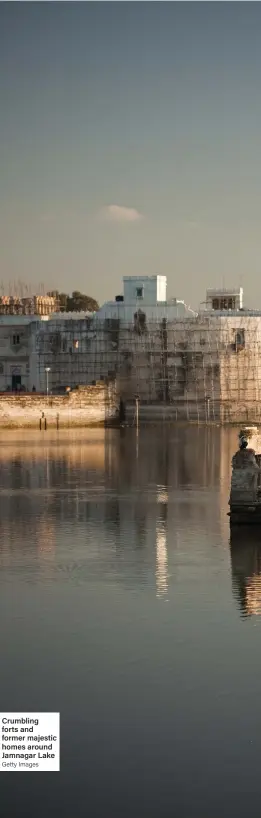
(83, 407)
(240, 369)
(206, 367)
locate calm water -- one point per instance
(124, 608)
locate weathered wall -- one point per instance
(176, 364)
(197, 368)
(192, 364)
(84, 407)
(240, 370)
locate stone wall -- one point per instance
(87, 406)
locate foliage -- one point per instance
(77, 302)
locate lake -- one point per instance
(124, 607)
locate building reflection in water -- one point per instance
(133, 510)
(245, 549)
(161, 543)
(46, 538)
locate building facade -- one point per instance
(143, 295)
(16, 347)
(203, 366)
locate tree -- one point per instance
(62, 300)
(77, 302)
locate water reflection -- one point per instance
(245, 549)
(161, 543)
(133, 511)
(95, 538)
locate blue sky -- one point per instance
(130, 144)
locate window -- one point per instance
(16, 340)
(139, 292)
(215, 304)
(240, 338)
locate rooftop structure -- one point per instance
(146, 295)
(224, 299)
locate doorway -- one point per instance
(16, 383)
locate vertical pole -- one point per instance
(137, 427)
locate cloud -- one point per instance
(117, 213)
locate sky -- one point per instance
(130, 145)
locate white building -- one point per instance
(159, 347)
(29, 344)
(18, 369)
(146, 294)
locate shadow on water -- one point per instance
(245, 550)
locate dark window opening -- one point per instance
(224, 303)
(231, 303)
(140, 322)
(240, 339)
(16, 383)
(16, 340)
